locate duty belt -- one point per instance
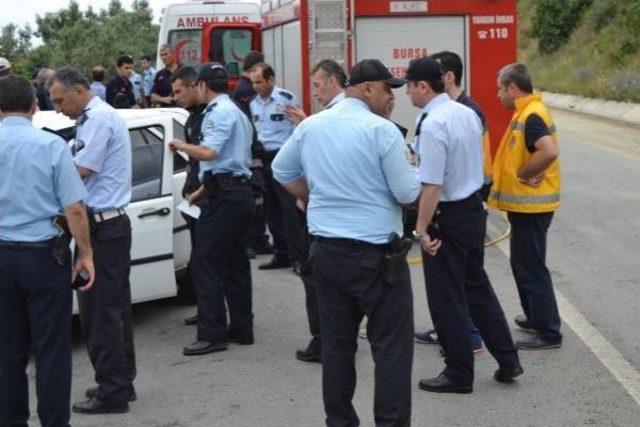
(349, 243)
(42, 244)
(107, 215)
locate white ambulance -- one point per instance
(202, 31)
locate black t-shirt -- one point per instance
(467, 101)
(534, 129)
(119, 93)
(192, 133)
(243, 95)
(162, 85)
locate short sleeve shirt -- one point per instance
(270, 120)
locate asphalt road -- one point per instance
(593, 248)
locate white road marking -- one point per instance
(610, 357)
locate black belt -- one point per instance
(26, 245)
(349, 243)
(473, 199)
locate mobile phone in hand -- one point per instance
(81, 280)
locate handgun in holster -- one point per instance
(60, 246)
(210, 184)
(395, 259)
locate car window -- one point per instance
(179, 163)
(147, 148)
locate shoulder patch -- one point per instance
(286, 94)
(210, 107)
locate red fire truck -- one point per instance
(298, 33)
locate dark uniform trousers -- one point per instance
(350, 285)
(105, 311)
(259, 237)
(283, 217)
(35, 316)
(458, 287)
(224, 272)
(528, 263)
(310, 290)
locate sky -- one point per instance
(24, 12)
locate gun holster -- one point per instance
(60, 245)
(395, 259)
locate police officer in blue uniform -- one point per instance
(187, 96)
(269, 110)
(102, 154)
(120, 89)
(227, 208)
(38, 181)
(354, 194)
(450, 166)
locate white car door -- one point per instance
(152, 209)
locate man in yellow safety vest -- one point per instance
(526, 184)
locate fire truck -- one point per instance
(202, 31)
(298, 33)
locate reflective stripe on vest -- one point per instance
(529, 200)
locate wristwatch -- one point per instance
(417, 235)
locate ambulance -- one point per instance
(298, 33)
(203, 31)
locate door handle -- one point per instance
(158, 212)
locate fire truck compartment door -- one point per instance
(397, 40)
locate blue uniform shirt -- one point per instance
(37, 180)
(227, 131)
(355, 163)
(270, 119)
(136, 82)
(147, 80)
(99, 90)
(103, 145)
(450, 147)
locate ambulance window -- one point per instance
(186, 46)
(229, 46)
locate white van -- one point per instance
(183, 26)
(160, 247)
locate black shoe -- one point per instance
(537, 343)
(251, 253)
(309, 355)
(190, 321)
(275, 263)
(523, 323)
(97, 406)
(506, 374)
(266, 249)
(203, 347)
(442, 384)
(93, 393)
(428, 337)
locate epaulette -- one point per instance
(286, 94)
(210, 107)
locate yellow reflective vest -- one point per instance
(507, 192)
(487, 167)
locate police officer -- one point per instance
(243, 95)
(187, 95)
(224, 273)
(450, 141)
(354, 193)
(103, 158)
(452, 68)
(328, 81)
(119, 90)
(274, 127)
(35, 286)
(161, 93)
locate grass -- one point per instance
(600, 60)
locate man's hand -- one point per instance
(296, 115)
(301, 205)
(177, 145)
(84, 263)
(533, 182)
(430, 246)
(196, 196)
